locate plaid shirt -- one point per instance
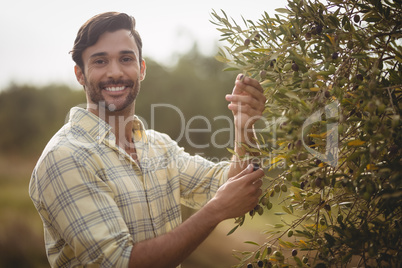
(95, 201)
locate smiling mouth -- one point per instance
(113, 89)
(116, 85)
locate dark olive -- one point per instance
(247, 42)
(295, 67)
(356, 18)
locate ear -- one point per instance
(79, 74)
(143, 70)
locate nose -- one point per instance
(114, 70)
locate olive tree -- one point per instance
(332, 75)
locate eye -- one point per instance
(99, 61)
(127, 59)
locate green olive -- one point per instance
(290, 233)
(287, 67)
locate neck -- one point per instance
(120, 121)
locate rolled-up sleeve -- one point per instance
(83, 225)
(199, 178)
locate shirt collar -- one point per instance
(100, 129)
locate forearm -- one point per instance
(247, 102)
(234, 198)
(242, 156)
(170, 249)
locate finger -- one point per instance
(242, 88)
(254, 92)
(259, 193)
(255, 177)
(243, 83)
(240, 77)
(258, 183)
(249, 169)
(248, 80)
(249, 83)
(254, 83)
(245, 109)
(247, 99)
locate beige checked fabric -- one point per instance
(95, 201)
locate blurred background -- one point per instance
(38, 88)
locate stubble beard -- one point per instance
(94, 91)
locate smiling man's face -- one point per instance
(112, 71)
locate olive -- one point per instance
(290, 233)
(319, 29)
(295, 67)
(356, 18)
(269, 205)
(260, 210)
(269, 250)
(302, 156)
(304, 259)
(287, 67)
(298, 144)
(263, 74)
(284, 188)
(332, 69)
(247, 42)
(277, 188)
(318, 182)
(350, 44)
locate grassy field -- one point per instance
(21, 233)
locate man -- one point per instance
(109, 191)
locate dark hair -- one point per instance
(90, 32)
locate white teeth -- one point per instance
(114, 88)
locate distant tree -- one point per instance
(194, 91)
(333, 79)
(30, 116)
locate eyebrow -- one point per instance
(123, 52)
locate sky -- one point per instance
(37, 35)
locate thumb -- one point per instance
(249, 169)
